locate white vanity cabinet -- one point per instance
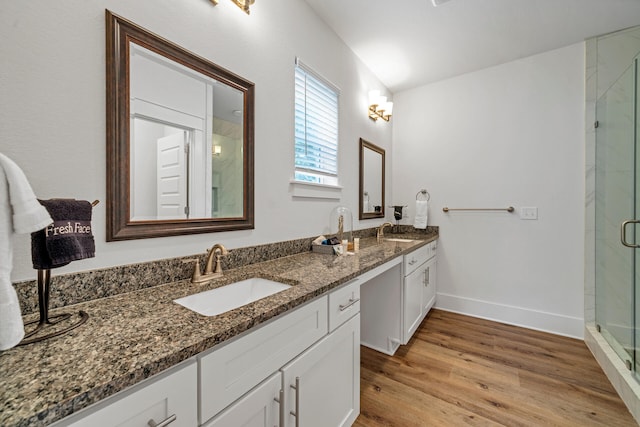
(302, 369)
(419, 287)
(232, 370)
(248, 380)
(169, 398)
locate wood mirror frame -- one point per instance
(366, 145)
(120, 33)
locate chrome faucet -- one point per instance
(380, 232)
(218, 251)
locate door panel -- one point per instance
(172, 176)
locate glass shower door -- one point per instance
(616, 184)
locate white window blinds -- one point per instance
(316, 128)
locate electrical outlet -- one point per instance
(528, 213)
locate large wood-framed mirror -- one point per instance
(371, 180)
(180, 139)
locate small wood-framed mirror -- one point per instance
(180, 138)
(371, 180)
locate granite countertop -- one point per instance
(132, 336)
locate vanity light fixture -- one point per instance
(217, 150)
(242, 4)
(379, 107)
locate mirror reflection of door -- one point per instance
(171, 173)
(207, 180)
(162, 177)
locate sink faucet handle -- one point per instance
(218, 264)
(195, 276)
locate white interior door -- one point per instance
(172, 176)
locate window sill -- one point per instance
(315, 191)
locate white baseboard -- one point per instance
(532, 319)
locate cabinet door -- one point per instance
(429, 290)
(322, 385)
(258, 408)
(172, 396)
(413, 284)
(230, 371)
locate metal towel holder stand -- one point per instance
(45, 321)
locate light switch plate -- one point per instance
(528, 213)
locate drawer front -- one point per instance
(344, 303)
(232, 370)
(416, 258)
(171, 396)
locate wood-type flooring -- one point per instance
(463, 371)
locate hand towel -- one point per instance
(366, 205)
(20, 212)
(68, 239)
(420, 220)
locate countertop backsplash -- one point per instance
(74, 288)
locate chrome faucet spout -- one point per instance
(380, 231)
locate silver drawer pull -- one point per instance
(280, 400)
(352, 301)
(297, 412)
(163, 423)
(413, 261)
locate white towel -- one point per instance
(420, 220)
(366, 205)
(20, 212)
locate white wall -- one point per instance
(52, 86)
(510, 135)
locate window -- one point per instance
(316, 128)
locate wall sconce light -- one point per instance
(217, 150)
(379, 107)
(242, 4)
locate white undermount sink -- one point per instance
(234, 295)
(396, 239)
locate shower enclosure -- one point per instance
(617, 215)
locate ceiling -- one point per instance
(409, 43)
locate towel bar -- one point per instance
(509, 209)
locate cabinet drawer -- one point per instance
(344, 303)
(228, 372)
(416, 258)
(160, 398)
